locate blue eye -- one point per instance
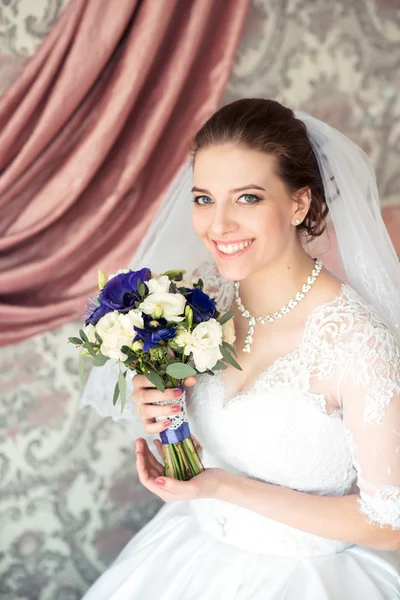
(252, 199)
(199, 200)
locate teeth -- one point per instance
(233, 248)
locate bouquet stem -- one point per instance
(181, 459)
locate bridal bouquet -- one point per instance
(165, 329)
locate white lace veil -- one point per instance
(369, 260)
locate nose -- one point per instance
(223, 221)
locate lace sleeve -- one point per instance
(370, 393)
(214, 284)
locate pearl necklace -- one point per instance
(278, 314)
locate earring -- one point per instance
(298, 221)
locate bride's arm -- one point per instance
(370, 396)
(332, 517)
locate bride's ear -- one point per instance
(302, 204)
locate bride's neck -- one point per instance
(267, 290)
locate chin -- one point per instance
(232, 270)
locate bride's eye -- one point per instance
(202, 200)
(249, 199)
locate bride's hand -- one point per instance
(205, 485)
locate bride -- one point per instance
(300, 497)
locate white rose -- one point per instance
(203, 342)
(90, 330)
(172, 305)
(118, 273)
(114, 335)
(228, 332)
(158, 284)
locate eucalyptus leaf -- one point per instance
(83, 335)
(180, 370)
(226, 317)
(229, 358)
(98, 338)
(100, 360)
(230, 347)
(116, 394)
(81, 369)
(156, 380)
(75, 341)
(88, 346)
(122, 388)
(220, 366)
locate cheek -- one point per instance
(200, 221)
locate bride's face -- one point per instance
(242, 210)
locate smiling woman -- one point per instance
(301, 490)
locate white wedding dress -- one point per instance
(323, 419)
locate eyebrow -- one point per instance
(251, 186)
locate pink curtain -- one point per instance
(92, 133)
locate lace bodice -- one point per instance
(323, 419)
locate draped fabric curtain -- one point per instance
(91, 134)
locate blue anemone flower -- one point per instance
(153, 334)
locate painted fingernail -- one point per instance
(159, 481)
(177, 393)
(166, 423)
(176, 409)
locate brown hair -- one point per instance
(269, 127)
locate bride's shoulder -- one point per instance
(358, 321)
(214, 284)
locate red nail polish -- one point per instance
(177, 393)
(159, 481)
(166, 423)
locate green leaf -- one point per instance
(230, 347)
(98, 338)
(122, 388)
(81, 369)
(88, 346)
(155, 379)
(226, 317)
(100, 360)
(83, 335)
(116, 394)
(180, 370)
(175, 275)
(229, 358)
(126, 350)
(75, 341)
(141, 289)
(220, 366)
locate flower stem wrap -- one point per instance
(180, 456)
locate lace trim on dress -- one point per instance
(382, 507)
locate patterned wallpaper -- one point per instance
(69, 494)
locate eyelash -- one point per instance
(257, 200)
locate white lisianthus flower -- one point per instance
(115, 334)
(203, 342)
(118, 273)
(90, 330)
(158, 284)
(131, 319)
(173, 305)
(228, 332)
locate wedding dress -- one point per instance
(322, 420)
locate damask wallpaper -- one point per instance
(69, 494)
